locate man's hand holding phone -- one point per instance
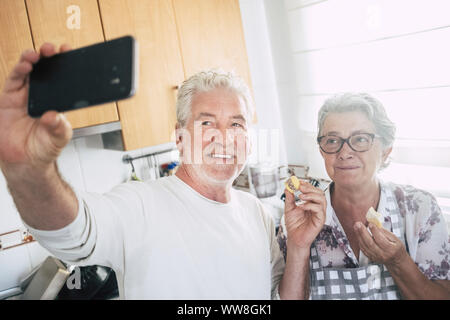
(32, 137)
(29, 148)
(25, 142)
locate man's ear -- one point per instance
(179, 139)
(178, 135)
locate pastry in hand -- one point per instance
(292, 184)
(374, 217)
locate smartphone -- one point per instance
(84, 77)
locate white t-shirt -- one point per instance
(166, 241)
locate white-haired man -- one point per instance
(188, 236)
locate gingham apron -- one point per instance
(371, 282)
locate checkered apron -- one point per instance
(371, 282)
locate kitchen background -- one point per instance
(299, 53)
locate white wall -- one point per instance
(87, 166)
(286, 80)
(264, 82)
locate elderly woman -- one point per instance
(331, 251)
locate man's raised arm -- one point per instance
(29, 148)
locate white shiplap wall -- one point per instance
(395, 49)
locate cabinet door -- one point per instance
(211, 36)
(149, 117)
(56, 22)
(15, 35)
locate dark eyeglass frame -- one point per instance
(343, 141)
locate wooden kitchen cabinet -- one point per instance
(15, 35)
(49, 23)
(149, 117)
(176, 39)
(211, 36)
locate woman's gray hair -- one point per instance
(206, 81)
(363, 102)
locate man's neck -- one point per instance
(219, 192)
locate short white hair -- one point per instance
(205, 81)
(365, 103)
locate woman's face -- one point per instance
(348, 167)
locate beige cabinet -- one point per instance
(176, 39)
(211, 36)
(149, 117)
(50, 22)
(15, 35)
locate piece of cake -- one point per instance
(374, 217)
(292, 184)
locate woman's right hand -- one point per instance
(26, 141)
(304, 222)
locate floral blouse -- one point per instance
(425, 229)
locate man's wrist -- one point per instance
(29, 173)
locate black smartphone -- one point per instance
(87, 76)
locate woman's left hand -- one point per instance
(382, 247)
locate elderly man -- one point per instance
(188, 236)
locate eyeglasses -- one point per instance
(358, 142)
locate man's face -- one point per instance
(215, 138)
